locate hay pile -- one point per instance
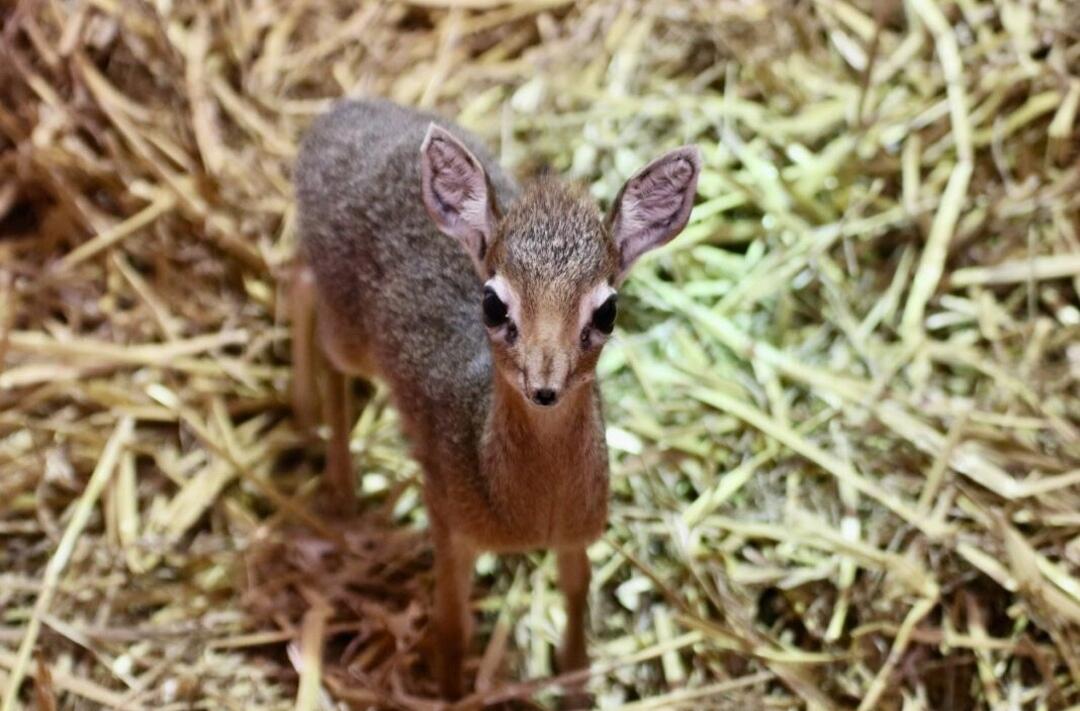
(844, 410)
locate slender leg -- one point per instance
(454, 560)
(574, 575)
(339, 473)
(302, 315)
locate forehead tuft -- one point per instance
(554, 236)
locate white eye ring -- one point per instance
(592, 300)
(503, 290)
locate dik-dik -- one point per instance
(484, 306)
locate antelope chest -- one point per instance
(552, 500)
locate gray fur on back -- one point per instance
(391, 279)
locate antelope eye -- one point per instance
(603, 319)
(494, 308)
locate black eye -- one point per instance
(494, 308)
(603, 319)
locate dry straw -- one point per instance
(845, 418)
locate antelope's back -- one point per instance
(391, 280)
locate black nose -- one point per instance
(544, 396)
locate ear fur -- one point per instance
(456, 192)
(654, 205)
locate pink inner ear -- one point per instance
(659, 194)
(454, 181)
(456, 193)
(655, 204)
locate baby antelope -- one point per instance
(484, 306)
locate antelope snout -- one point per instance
(545, 396)
(545, 376)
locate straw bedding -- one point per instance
(843, 405)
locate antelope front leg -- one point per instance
(574, 575)
(454, 560)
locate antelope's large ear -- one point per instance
(654, 205)
(456, 192)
